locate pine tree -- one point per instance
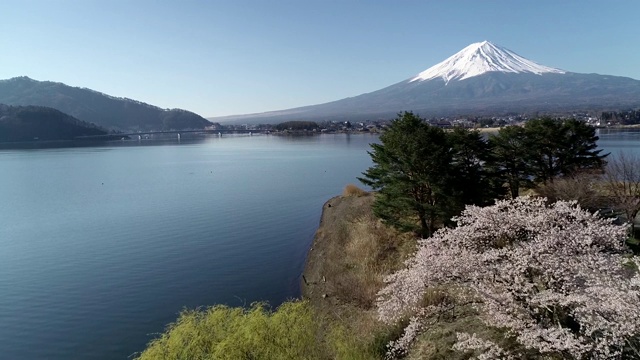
(471, 179)
(560, 148)
(509, 161)
(412, 173)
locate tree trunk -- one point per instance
(633, 230)
(514, 188)
(425, 231)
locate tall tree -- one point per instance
(470, 180)
(580, 149)
(411, 171)
(559, 148)
(509, 160)
(543, 150)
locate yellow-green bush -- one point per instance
(352, 190)
(221, 332)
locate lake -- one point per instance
(103, 246)
(619, 140)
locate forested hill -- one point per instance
(28, 123)
(98, 108)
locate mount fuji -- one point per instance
(480, 58)
(481, 79)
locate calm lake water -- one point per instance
(101, 247)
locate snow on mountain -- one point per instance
(479, 58)
(496, 82)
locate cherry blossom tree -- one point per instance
(559, 280)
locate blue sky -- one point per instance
(234, 57)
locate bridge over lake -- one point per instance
(178, 132)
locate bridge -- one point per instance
(178, 132)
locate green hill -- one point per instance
(28, 123)
(98, 108)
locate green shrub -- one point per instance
(221, 332)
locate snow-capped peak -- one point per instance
(479, 58)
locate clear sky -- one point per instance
(235, 57)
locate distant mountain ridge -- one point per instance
(29, 123)
(481, 79)
(98, 108)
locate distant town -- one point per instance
(596, 119)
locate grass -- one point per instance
(355, 251)
(352, 190)
(371, 252)
(362, 253)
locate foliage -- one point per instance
(426, 175)
(508, 158)
(543, 150)
(294, 331)
(222, 332)
(557, 278)
(470, 178)
(411, 172)
(559, 148)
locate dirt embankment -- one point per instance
(328, 248)
(351, 253)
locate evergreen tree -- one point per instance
(509, 160)
(541, 151)
(560, 148)
(426, 175)
(580, 149)
(470, 179)
(412, 173)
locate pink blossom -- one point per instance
(559, 278)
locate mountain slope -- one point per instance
(481, 79)
(98, 108)
(27, 123)
(479, 58)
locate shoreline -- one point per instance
(350, 255)
(311, 285)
